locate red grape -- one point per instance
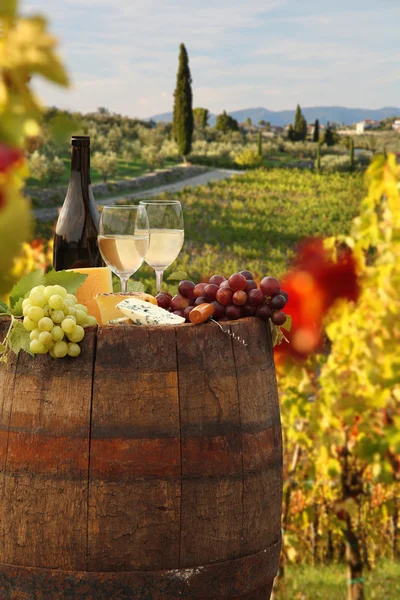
(178, 302)
(278, 301)
(199, 289)
(224, 296)
(278, 317)
(270, 286)
(180, 313)
(247, 274)
(248, 310)
(250, 285)
(187, 312)
(201, 300)
(186, 288)
(264, 312)
(210, 291)
(219, 310)
(217, 279)
(237, 282)
(164, 300)
(284, 294)
(224, 284)
(256, 297)
(239, 298)
(233, 312)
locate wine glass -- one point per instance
(166, 234)
(123, 239)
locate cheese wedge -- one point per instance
(121, 321)
(107, 304)
(144, 313)
(98, 281)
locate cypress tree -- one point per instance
(259, 144)
(300, 125)
(352, 154)
(316, 131)
(290, 133)
(329, 139)
(183, 109)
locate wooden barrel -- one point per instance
(149, 468)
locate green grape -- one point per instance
(81, 307)
(56, 302)
(37, 299)
(68, 302)
(45, 324)
(73, 349)
(36, 313)
(72, 297)
(26, 302)
(77, 335)
(46, 339)
(91, 320)
(37, 347)
(60, 349)
(61, 291)
(81, 317)
(29, 324)
(38, 288)
(51, 352)
(57, 316)
(34, 335)
(48, 292)
(57, 333)
(68, 325)
(71, 312)
(25, 310)
(46, 310)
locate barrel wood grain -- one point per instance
(211, 523)
(157, 451)
(46, 466)
(261, 435)
(134, 510)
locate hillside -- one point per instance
(334, 114)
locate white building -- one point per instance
(396, 125)
(366, 125)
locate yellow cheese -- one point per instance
(107, 304)
(98, 281)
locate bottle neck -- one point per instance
(80, 162)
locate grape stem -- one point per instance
(5, 350)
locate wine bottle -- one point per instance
(75, 240)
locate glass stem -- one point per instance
(159, 276)
(124, 284)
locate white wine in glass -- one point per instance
(166, 235)
(124, 239)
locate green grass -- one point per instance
(126, 170)
(255, 221)
(329, 583)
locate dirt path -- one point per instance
(47, 214)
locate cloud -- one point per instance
(124, 54)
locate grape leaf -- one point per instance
(135, 286)
(70, 280)
(24, 285)
(3, 348)
(277, 335)
(17, 308)
(4, 309)
(19, 339)
(177, 276)
(288, 323)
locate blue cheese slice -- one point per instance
(144, 313)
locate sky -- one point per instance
(123, 54)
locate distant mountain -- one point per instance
(334, 114)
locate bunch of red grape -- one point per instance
(233, 298)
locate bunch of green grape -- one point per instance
(55, 320)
